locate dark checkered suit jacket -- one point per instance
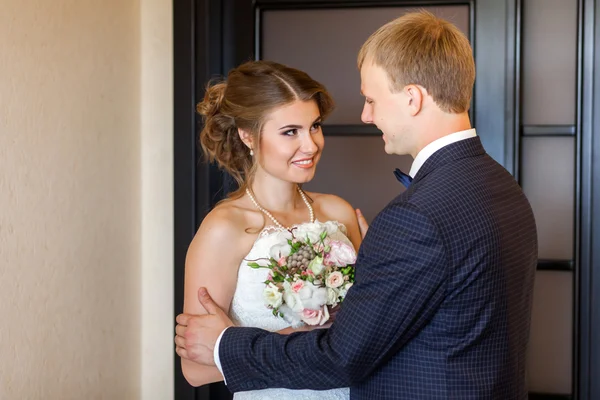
(442, 301)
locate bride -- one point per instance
(263, 126)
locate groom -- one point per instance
(444, 277)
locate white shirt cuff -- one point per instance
(216, 355)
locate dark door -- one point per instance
(323, 38)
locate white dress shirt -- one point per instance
(420, 159)
(216, 355)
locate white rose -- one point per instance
(311, 231)
(273, 296)
(332, 296)
(334, 280)
(316, 265)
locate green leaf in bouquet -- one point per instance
(295, 247)
(256, 265)
(323, 235)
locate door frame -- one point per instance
(213, 36)
(587, 272)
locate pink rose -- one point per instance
(270, 277)
(315, 317)
(282, 261)
(334, 280)
(340, 254)
(297, 286)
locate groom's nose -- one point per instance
(367, 114)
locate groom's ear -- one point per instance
(246, 138)
(415, 95)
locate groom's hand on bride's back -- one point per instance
(362, 223)
(196, 335)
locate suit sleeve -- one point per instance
(400, 281)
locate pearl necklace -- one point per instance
(268, 214)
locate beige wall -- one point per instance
(157, 200)
(85, 199)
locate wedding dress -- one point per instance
(248, 307)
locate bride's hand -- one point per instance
(362, 223)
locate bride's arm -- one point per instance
(304, 328)
(212, 261)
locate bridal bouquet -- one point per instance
(310, 273)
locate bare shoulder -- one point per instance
(225, 219)
(225, 224)
(332, 207)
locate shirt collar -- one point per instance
(434, 146)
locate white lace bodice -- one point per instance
(248, 309)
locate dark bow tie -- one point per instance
(402, 177)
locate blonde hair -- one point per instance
(422, 49)
(251, 92)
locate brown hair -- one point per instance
(251, 92)
(422, 49)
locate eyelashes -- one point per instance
(293, 132)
